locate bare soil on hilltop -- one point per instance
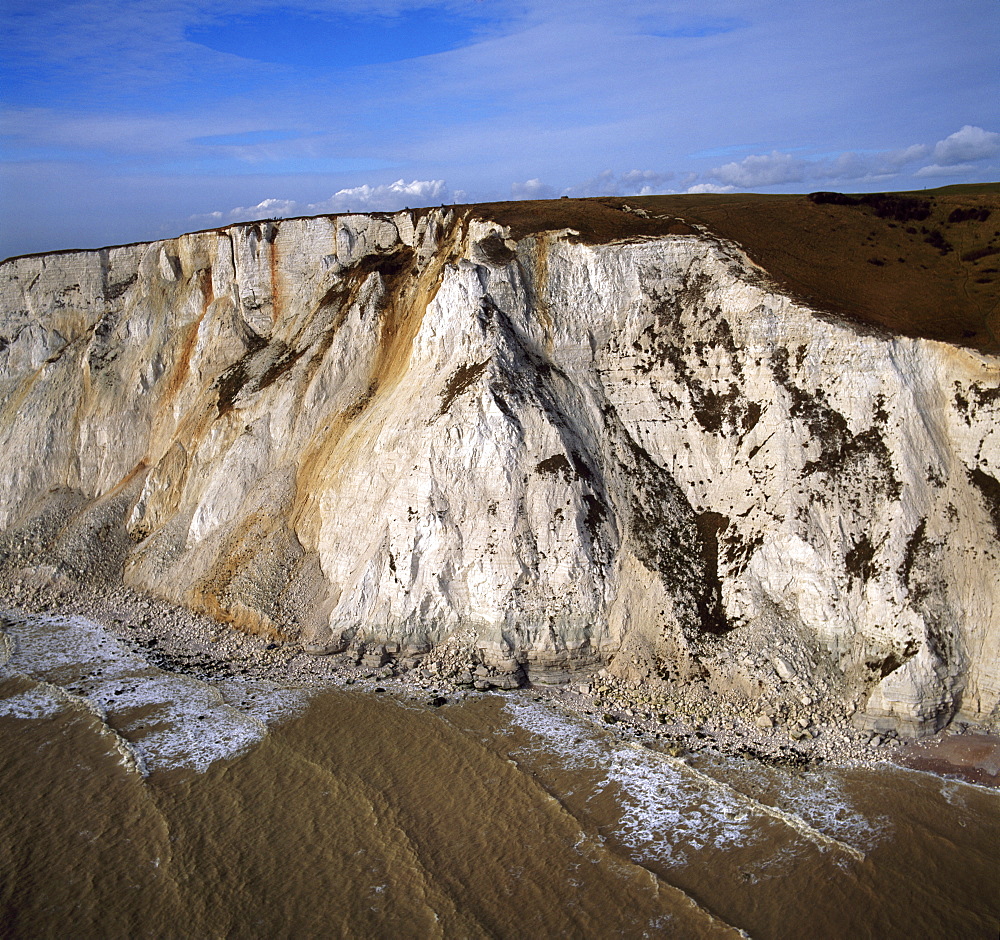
(923, 264)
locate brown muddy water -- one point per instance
(136, 803)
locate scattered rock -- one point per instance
(784, 669)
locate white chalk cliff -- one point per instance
(386, 430)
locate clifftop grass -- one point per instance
(925, 263)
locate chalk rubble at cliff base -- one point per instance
(680, 721)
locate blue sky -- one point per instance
(123, 120)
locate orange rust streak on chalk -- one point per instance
(343, 437)
(183, 364)
(140, 468)
(541, 288)
(276, 301)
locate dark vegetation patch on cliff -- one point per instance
(233, 380)
(989, 489)
(103, 351)
(460, 380)
(921, 573)
(231, 383)
(494, 250)
(393, 267)
(670, 341)
(557, 464)
(711, 525)
(283, 361)
(596, 514)
(390, 265)
(859, 561)
(114, 291)
(739, 549)
(670, 538)
(916, 548)
(889, 664)
(971, 399)
(854, 460)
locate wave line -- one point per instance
(789, 819)
(130, 758)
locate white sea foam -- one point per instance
(667, 814)
(37, 702)
(823, 801)
(170, 720)
(671, 812)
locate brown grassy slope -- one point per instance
(937, 277)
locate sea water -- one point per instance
(139, 802)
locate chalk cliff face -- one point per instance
(392, 430)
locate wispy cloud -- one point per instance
(770, 169)
(697, 28)
(935, 171)
(246, 138)
(532, 189)
(631, 183)
(710, 188)
(384, 197)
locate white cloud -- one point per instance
(965, 145)
(770, 169)
(270, 208)
(935, 169)
(710, 188)
(899, 158)
(386, 197)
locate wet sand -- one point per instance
(972, 757)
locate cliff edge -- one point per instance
(593, 434)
